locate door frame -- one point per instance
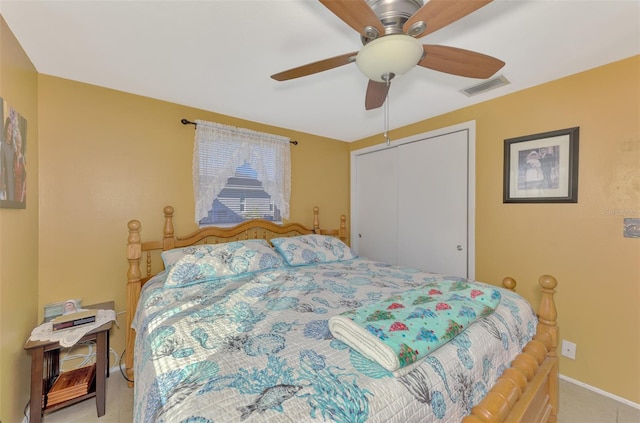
(470, 127)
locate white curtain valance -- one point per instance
(220, 149)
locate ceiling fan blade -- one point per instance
(376, 94)
(460, 62)
(315, 67)
(440, 13)
(355, 13)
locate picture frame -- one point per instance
(13, 158)
(542, 168)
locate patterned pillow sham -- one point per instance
(218, 261)
(309, 249)
(171, 257)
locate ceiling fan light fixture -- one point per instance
(392, 54)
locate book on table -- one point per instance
(71, 384)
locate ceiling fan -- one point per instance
(389, 30)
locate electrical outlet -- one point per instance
(569, 349)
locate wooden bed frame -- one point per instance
(526, 392)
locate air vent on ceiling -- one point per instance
(486, 86)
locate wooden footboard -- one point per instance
(251, 229)
(527, 391)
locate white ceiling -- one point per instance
(218, 55)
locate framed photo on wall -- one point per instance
(13, 158)
(542, 168)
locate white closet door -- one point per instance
(433, 204)
(376, 205)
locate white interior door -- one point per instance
(376, 205)
(432, 205)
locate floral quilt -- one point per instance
(258, 347)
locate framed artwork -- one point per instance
(542, 168)
(13, 158)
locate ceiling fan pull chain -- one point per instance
(386, 118)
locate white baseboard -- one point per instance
(601, 392)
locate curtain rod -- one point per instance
(188, 122)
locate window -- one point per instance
(239, 175)
(242, 198)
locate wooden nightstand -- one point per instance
(45, 367)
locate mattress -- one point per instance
(258, 348)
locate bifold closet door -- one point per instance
(433, 204)
(376, 206)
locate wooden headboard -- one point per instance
(251, 229)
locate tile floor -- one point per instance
(580, 405)
(577, 405)
(119, 406)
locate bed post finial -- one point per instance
(509, 283)
(342, 232)
(547, 311)
(168, 240)
(316, 219)
(134, 250)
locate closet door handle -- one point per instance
(459, 247)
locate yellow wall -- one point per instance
(107, 157)
(18, 237)
(598, 270)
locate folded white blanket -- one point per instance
(361, 340)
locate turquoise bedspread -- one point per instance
(259, 349)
